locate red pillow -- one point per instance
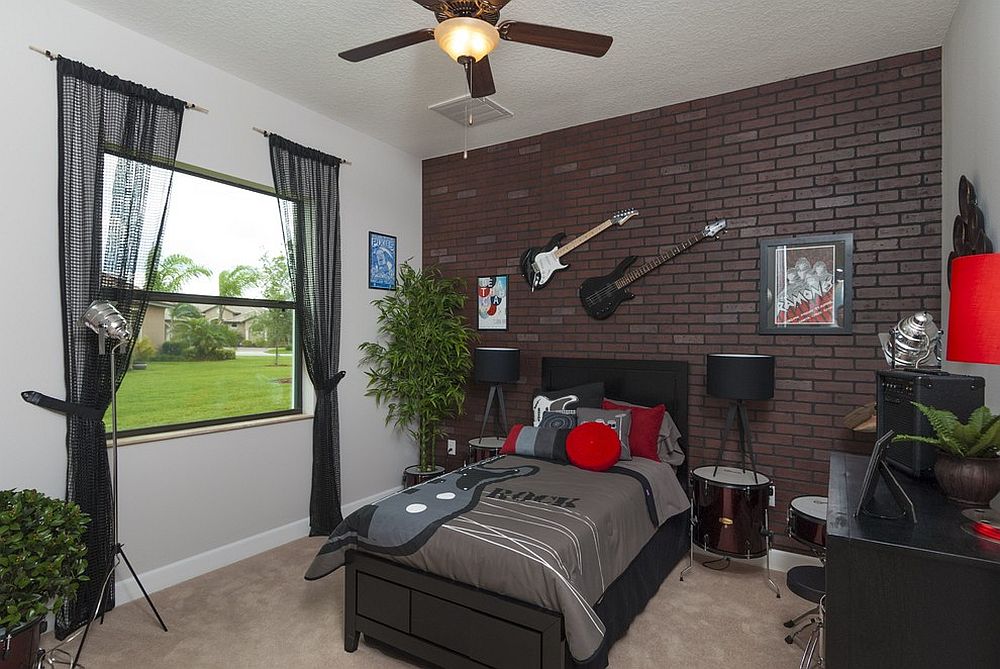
(511, 441)
(644, 434)
(593, 446)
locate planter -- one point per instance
(413, 476)
(19, 650)
(139, 365)
(972, 481)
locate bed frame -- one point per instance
(451, 624)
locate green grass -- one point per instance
(167, 393)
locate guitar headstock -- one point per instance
(623, 216)
(715, 229)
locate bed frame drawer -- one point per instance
(483, 638)
(384, 602)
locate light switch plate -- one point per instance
(452, 447)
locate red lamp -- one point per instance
(974, 314)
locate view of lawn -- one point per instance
(187, 391)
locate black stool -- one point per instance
(809, 583)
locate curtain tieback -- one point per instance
(331, 384)
(61, 406)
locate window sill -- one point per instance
(213, 429)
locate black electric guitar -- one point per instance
(601, 295)
(539, 264)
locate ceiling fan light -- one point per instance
(466, 36)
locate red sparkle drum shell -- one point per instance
(729, 511)
(807, 520)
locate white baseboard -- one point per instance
(127, 589)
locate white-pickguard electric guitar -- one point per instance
(538, 264)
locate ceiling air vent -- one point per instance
(483, 110)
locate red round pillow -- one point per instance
(593, 446)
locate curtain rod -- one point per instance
(52, 55)
(268, 133)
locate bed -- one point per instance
(519, 569)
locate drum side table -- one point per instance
(484, 448)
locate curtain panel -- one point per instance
(307, 185)
(117, 147)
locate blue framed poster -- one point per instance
(492, 294)
(381, 261)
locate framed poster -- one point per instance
(492, 299)
(806, 284)
(381, 261)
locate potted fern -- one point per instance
(41, 565)
(419, 368)
(968, 464)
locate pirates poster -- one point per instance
(806, 284)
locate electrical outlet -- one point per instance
(770, 499)
(453, 449)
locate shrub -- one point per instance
(172, 348)
(143, 350)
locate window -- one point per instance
(217, 344)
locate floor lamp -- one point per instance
(497, 366)
(739, 378)
(108, 323)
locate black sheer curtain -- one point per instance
(117, 146)
(307, 185)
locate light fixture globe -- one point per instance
(464, 36)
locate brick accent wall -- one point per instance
(855, 149)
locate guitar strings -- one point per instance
(611, 288)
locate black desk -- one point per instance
(902, 594)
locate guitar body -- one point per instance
(528, 269)
(599, 295)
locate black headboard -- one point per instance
(647, 382)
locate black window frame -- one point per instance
(192, 298)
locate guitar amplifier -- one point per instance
(898, 389)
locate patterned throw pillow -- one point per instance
(559, 420)
(586, 395)
(619, 421)
(536, 442)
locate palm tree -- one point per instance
(174, 271)
(234, 282)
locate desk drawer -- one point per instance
(480, 637)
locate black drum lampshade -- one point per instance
(734, 376)
(497, 365)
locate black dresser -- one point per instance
(907, 595)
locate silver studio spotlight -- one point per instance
(914, 343)
(103, 318)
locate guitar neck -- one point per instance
(584, 238)
(643, 270)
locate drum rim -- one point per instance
(792, 509)
(765, 480)
(737, 556)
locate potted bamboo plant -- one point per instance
(968, 464)
(419, 366)
(41, 566)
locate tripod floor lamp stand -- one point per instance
(108, 323)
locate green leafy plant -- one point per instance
(978, 438)
(419, 369)
(41, 555)
(144, 350)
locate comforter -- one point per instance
(543, 532)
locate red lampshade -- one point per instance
(974, 315)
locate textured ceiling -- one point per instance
(665, 51)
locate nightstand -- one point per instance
(484, 448)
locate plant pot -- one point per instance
(22, 651)
(139, 365)
(972, 481)
(413, 476)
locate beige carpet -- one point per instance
(261, 613)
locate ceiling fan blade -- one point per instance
(563, 39)
(498, 4)
(480, 78)
(385, 46)
(433, 5)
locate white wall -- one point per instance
(971, 136)
(185, 496)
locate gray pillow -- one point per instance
(619, 421)
(566, 399)
(558, 420)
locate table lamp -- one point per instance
(740, 378)
(497, 366)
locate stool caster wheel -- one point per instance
(789, 640)
(790, 624)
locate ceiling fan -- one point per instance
(468, 30)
